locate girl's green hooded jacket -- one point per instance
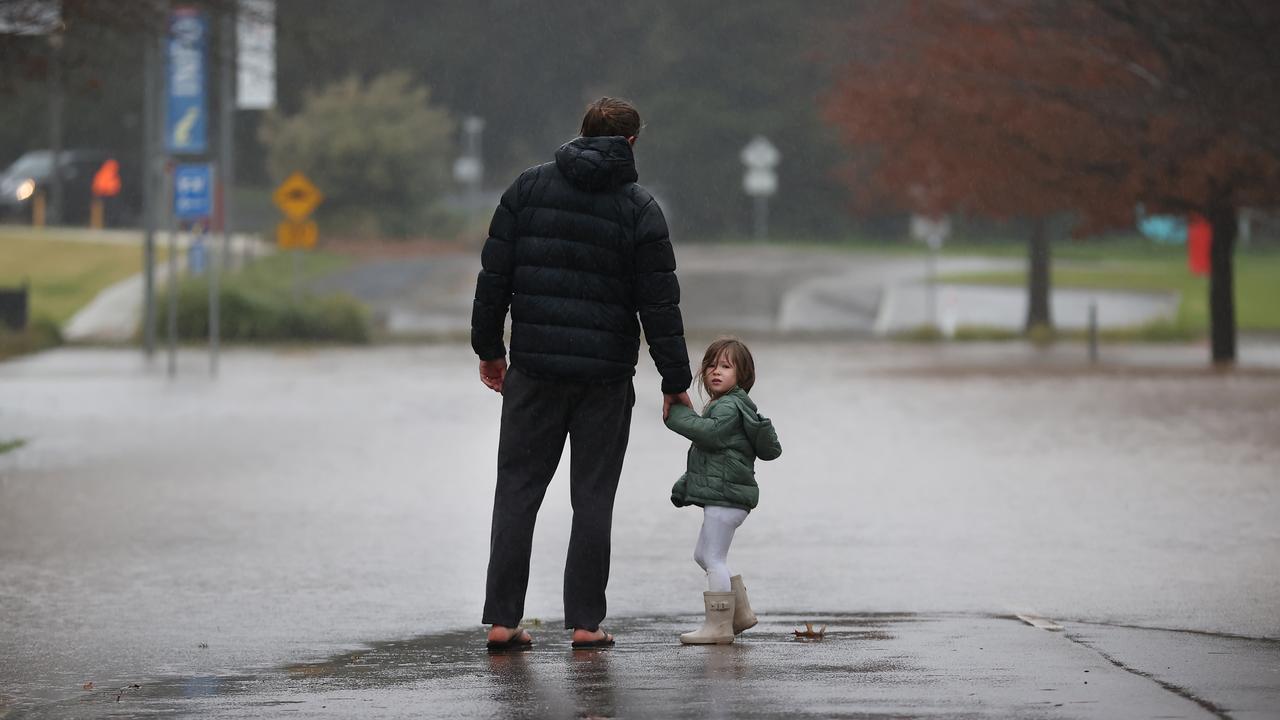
(726, 442)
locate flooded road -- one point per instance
(312, 501)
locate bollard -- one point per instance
(38, 210)
(1093, 331)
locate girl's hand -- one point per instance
(675, 399)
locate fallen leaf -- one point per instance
(88, 685)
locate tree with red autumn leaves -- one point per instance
(1070, 108)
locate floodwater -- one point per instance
(309, 502)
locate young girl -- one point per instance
(720, 478)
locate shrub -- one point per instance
(376, 149)
(248, 315)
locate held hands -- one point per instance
(493, 373)
(674, 399)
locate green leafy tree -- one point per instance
(378, 150)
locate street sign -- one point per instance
(193, 191)
(933, 231)
(297, 197)
(467, 169)
(256, 61)
(760, 153)
(293, 235)
(760, 157)
(186, 119)
(759, 182)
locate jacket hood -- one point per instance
(597, 163)
(753, 425)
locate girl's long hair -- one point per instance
(739, 355)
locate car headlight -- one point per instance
(26, 189)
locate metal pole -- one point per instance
(295, 291)
(150, 192)
(1093, 331)
(227, 147)
(227, 137)
(173, 271)
(931, 296)
(56, 101)
(761, 217)
(214, 316)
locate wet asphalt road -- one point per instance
(312, 502)
(865, 666)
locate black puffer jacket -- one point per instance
(577, 249)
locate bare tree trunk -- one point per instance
(1222, 303)
(1038, 283)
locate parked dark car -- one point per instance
(32, 174)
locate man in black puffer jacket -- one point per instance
(577, 250)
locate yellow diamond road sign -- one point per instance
(291, 235)
(297, 197)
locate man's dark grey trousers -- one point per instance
(537, 416)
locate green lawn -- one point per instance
(65, 270)
(275, 273)
(1257, 280)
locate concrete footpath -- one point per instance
(880, 665)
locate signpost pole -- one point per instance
(172, 283)
(214, 296)
(295, 292)
(226, 103)
(762, 217)
(57, 99)
(760, 181)
(151, 124)
(931, 302)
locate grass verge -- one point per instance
(1257, 287)
(41, 334)
(10, 445)
(65, 268)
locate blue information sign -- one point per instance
(193, 191)
(187, 114)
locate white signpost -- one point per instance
(760, 181)
(256, 55)
(468, 169)
(933, 231)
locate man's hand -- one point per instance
(676, 399)
(493, 373)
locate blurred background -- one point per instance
(1134, 144)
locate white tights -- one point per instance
(718, 524)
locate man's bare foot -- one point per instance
(502, 635)
(591, 638)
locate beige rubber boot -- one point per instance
(743, 617)
(718, 627)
